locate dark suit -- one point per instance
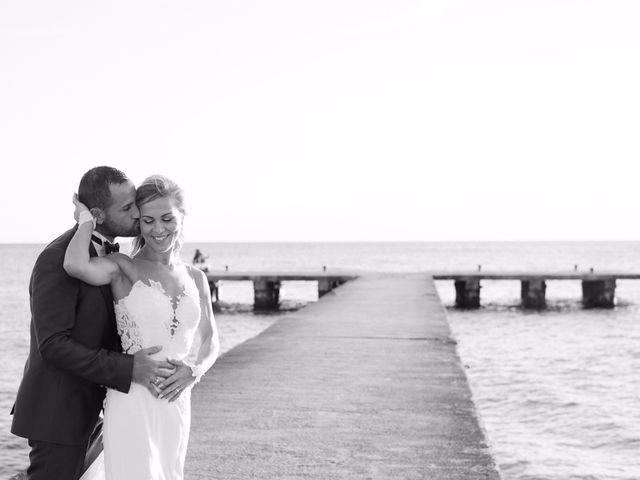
(74, 351)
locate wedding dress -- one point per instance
(145, 438)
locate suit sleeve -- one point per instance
(54, 296)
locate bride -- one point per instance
(158, 300)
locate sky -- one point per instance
(346, 120)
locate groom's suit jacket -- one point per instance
(74, 353)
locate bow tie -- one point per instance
(111, 247)
(108, 246)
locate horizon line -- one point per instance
(127, 239)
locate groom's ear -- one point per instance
(98, 214)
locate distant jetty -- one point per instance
(266, 285)
(598, 289)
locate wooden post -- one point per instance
(325, 285)
(532, 293)
(266, 294)
(468, 293)
(599, 293)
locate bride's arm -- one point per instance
(207, 329)
(189, 373)
(77, 262)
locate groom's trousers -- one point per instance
(50, 461)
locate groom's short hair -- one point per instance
(94, 190)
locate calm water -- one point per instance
(557, 391)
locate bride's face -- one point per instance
(160, 224)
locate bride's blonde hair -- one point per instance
(159, 186)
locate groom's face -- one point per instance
(122, 217)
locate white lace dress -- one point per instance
(146, 438)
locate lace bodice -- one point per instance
(147, 316)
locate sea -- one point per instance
(557, 391)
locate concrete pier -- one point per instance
(532, 293)
(467, 293)
(364, 384)
(266, 294)
(599, 293)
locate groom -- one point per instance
(75, 349)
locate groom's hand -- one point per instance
(149, 372)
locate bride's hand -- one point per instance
(80, 207)
(173, 386)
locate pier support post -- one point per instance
(599, 293)
(266, 294)
(532, 293)
(468, 293)
(325, 285)
(214, 289)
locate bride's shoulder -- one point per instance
(122, 260)
(198, 275)
(195, 272)
(120, 257)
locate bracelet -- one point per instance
(85, 216)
